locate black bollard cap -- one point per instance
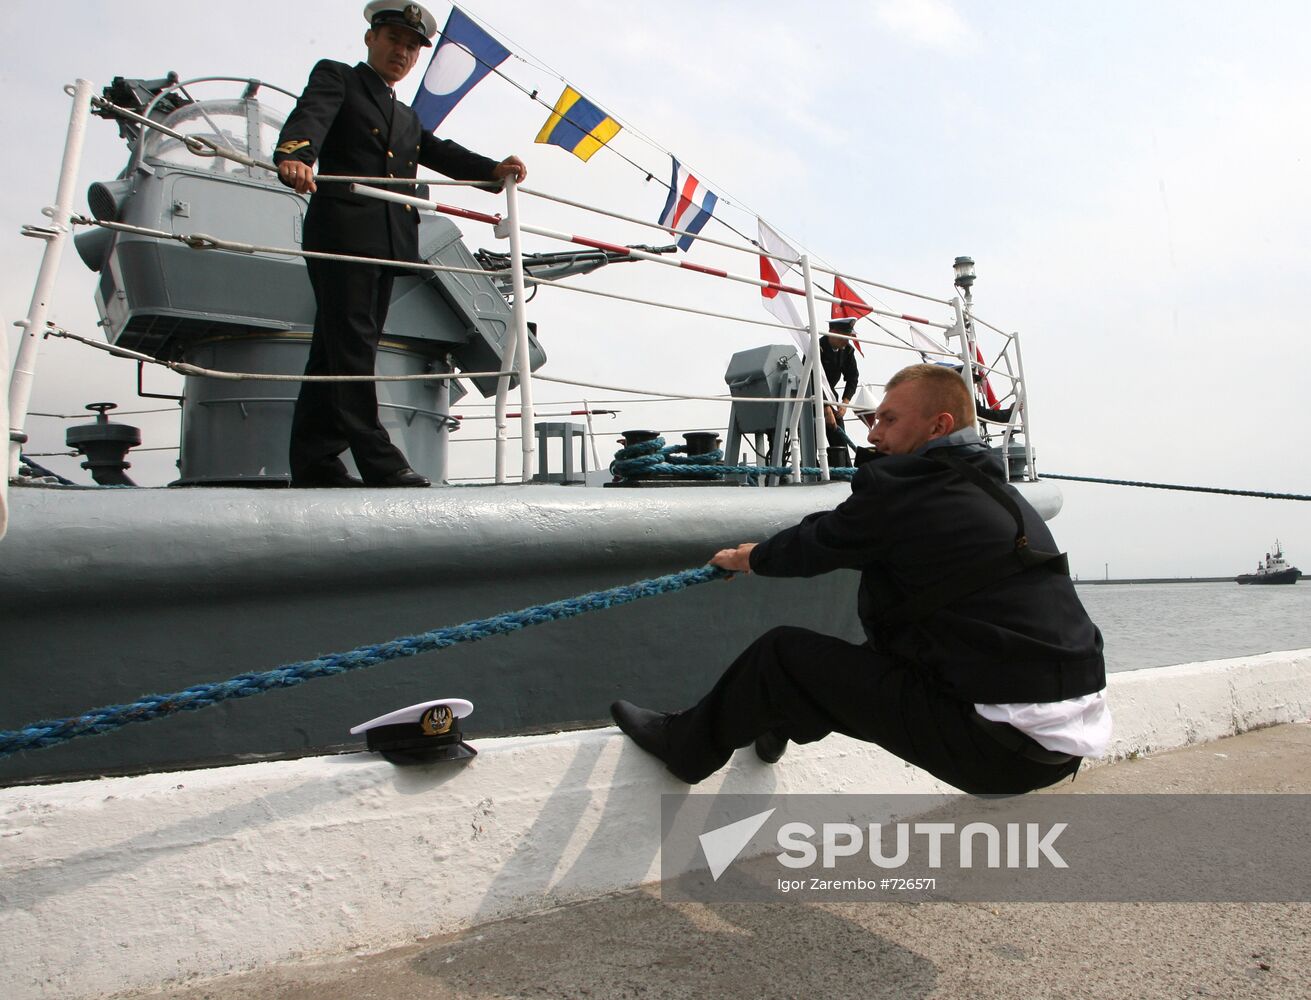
(638, 437)
(700, 442)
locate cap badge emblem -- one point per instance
(412, 16)
(437, 720)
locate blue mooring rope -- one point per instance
(654, 457)
(103, 720)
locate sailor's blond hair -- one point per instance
(942, 390)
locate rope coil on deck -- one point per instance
(102, 720)
(654, 457)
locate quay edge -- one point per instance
(131, 882)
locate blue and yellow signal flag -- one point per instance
(578, 125)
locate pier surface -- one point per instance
(633, 945)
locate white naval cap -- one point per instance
(420, 733)
(403, 15)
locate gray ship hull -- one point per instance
(112, 594)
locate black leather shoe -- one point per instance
(649, 730)
(325, 480)
(403, 477)
(771, 747)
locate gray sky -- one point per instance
(1131, 179)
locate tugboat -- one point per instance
(1274, 570)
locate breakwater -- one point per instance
(1164, 579)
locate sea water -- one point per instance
(1156, 624)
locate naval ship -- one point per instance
(111, 591)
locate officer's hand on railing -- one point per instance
(297, 175)
(511, 166)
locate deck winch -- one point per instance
(772, 371)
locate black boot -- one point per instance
(771, 747)
(648, 729)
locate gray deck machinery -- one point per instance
(773, 372)
(253, 312)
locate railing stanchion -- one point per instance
(502, 393)
(1022, 408)
(524, 358)
(794, 415)
(817, 377)
(591, 435)
(20, 385)
(961, 329)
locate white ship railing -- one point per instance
(959, 333)
(55, 236)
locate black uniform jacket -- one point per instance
(840, 362)
(910, 521)
(347, 123)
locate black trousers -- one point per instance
(805, 685)
(837, 439)
(836, 435)
(330, 417)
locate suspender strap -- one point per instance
(950, 588)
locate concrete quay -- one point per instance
(630, 944)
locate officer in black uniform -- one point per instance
(350, 123)
(838, 356)
(965, 605)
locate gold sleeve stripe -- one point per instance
(291, 145)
